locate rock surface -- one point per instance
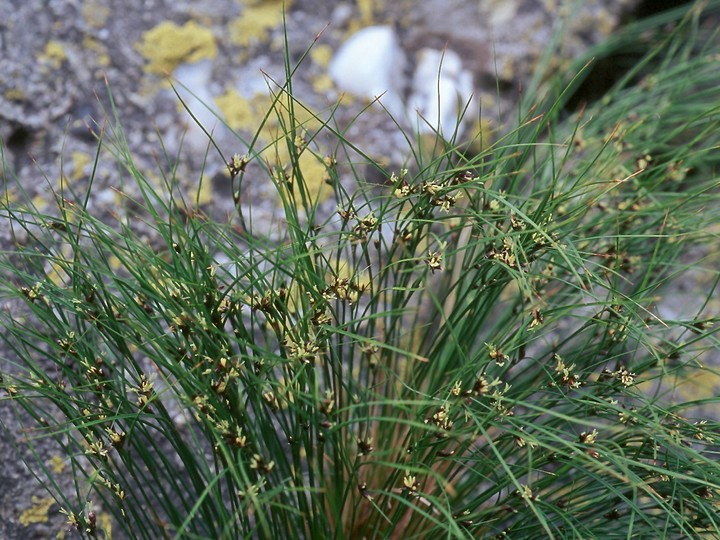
(370, 64)
(57, 56)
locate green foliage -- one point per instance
(475, 348)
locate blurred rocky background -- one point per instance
(58, 58)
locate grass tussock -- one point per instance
(481, 346)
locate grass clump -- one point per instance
(478, 347)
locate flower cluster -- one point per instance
(364, 226)
(442, 420)
(567, 377)
(589, 439)
(506, 254)
(622, 374)
(306, 351)
(410, 483)
(434, 261)
(144, 391)
(237, 164)
(440, 193)
(347, 290)
(496, 354)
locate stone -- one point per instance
(441, 89)
(371, 64)
(193, 86)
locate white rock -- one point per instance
(441, 89)
(193, 87)
(370, 64)
(105, 197)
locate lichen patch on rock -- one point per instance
(168, 45)
(38, 512)
(256, 21)
(54, 54)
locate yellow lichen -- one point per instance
(114, 262)
(481, 130)
(699, 385)
(10, 195)
(80, 161)
(54, 54)
(345, 271)
(15, 94)
(39, 203)
(258, 18)
(366, 9)
(321, 54)
(156, 180)
(95, 13)
(38, 512)
(58, 464)
(240, 112)
(205, 192)
(99, 51)
(168, 45)
(304, 119)
(314, 173)
(312, 169)
(57, 273)
(367, 16)
(323, 83)
(508, 70)
(64, 183)
(106, 525)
